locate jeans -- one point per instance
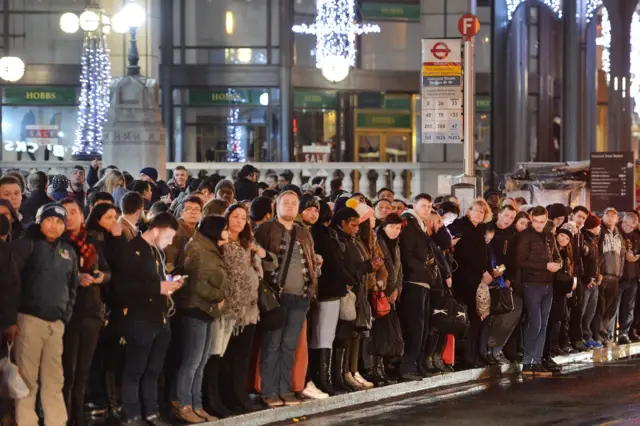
(607, 306)
(537, 301)
(627, 304)
(80, 341)
(146, 348)
(196, 346)
(279, 347)
(589, 306)
(414, 322)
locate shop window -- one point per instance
(394, 48)
(38, 133)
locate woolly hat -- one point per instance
(51, 210)
(592, 222)
(491, 191)
(341, 202)
(564, 231)
(151, 172)
(59, 183)
(571, 226)
(364, 211)
(308, 201)
(557, 210)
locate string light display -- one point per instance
(554, 5)
(335, 29)
(235, 149)
(605, 41)
(95, 81)
(592, 7)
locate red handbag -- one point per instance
(380, 304)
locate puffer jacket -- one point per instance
(612, 252)
(533, 251)
(333, 282)
(418, 259)
(49, 275)
(207, 280)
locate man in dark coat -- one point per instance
(246, 185)
(38, 183)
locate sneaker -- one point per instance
(540, 371)
(312, 392)
(187, 415)
(570, 350)
(623, 340)
(527, 370)
(273, 401)
(595, 344)
(156, 420)
(361, 380)
(290, 399)
(606, 341)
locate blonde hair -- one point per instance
(113, 180)
(488, 214)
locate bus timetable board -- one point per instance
(612, 181)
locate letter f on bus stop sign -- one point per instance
(468, 26)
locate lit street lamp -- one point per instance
(11, 68)
(129, 19)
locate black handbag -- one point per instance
(449, 316)
(363, 310)
(501, 300)
(386, 336)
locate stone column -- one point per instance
(620, 101)
(571, 84)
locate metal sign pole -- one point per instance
(469, 100)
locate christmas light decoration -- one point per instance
(235, 149)
(605, 40)
(592, 7)
(335, 29)
(554, 5)
(95, 81)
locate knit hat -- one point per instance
(564, 231)
(341, 202)
(557, 210)
(491, 191)
(259, 208)
(308, 201)
(294, 188)
(51, 210)
(60, 183)
(592, 222)
(609, 209)
(571, 226)
(226, 184)
(364, 211)
(151, 172)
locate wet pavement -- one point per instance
(608, 394)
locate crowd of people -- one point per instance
(206, 297)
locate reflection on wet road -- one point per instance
(607, 394)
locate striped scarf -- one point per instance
(87, 251)
(278, 275)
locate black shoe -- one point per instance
(527, 370)
(551, 366)
(156, 420)
(441, 366)
(211, 389)
(633, 336)
(570, 350)
(606, 341)
(623, 340)
(427, 367)
(556, 351)
(372, 376)
(519, 356)
(323, 380)
(540, 371)
(379, 366)
(410, 377)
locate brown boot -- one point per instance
(186, 414)
(208, 417)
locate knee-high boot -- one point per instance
(211, 389)
(337, 370)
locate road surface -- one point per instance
(608, 394)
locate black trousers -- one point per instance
(554, 324)
(80, 341)
(607, 307)
(414, 321)
(234, 369)
(575, 315)
(113, 347)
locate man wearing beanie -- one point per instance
(309, 211)
(59, 183)
(612, 254)
(226, 191)
(557, 214)
(38, 182)
(260, 211)
(159, 188)
(49, 272)
(591, 280)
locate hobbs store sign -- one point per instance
(38, 136)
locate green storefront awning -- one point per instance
(204, 97)
(315, 99)
(390, 11)
(40, 96)
(367, 120)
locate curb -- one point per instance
(573, 362)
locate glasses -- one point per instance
(193, 210)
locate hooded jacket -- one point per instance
(612, 252)
(49, 275)
(631, 271)
(590, 257)
(9, 287)
(533, 251)
(472, 256)
(207, 279)
(175, 252)
(245, 189)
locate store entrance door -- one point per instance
(377, 146)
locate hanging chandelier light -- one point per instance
(335, 29)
